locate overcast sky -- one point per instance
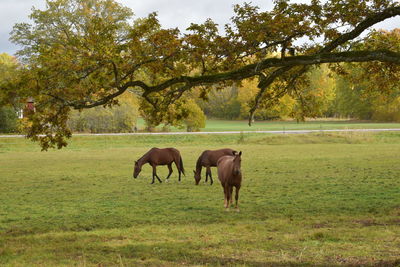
(171, 13)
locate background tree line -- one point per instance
(78, 55)
(346, 93)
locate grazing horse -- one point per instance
(230, 175)
(157, 156)
(208, 159)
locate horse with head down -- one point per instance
(157, 156)
(230, 175)
(208, 159)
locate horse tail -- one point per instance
(181, 165)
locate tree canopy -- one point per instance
(79, 54)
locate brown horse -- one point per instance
(157, 156)
(230, 175)
(208, 159)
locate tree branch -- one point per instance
(255, 69)
(324, 55)
(250, 71)
(368, 22)
(362, 26)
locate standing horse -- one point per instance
(230, 175)
(157, 156)
(208, 159)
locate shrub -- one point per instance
(196, 118)
(8, 120)
(118, 119)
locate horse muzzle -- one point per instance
(237, 172)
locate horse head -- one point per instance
(197, 177)
(236, 163)
(136, 170)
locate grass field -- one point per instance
(213, 125)
(306, 200)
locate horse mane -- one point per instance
(198, 163)
(145, 154)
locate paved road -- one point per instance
(230, 132)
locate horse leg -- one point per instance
(237, 198)
(211, 180)
(208, 174)
(155, 174)
(170, 171)
(228, 196)
(177, 161)
(231, 195)
(225, 197)
(158, 178)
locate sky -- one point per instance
(171, 13)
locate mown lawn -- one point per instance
(319, 200)
(213, 125)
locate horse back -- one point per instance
(162, 156)
(211, 157)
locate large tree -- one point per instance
(80, 54)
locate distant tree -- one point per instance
(173, 116)
(356, 100)
(370, 90)
(81, 54)
(222, 103)
(317, 95)
(9, 103)
(246, 93)
(387, 109)
(116, 119)
(195, 119)
(8, 75)
(8, 120)
(314, 100)
(350, 100)
(280, 108)
(182, 113)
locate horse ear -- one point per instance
(240, 153)
(234, 152)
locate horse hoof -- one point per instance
(167, 181)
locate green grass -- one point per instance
(306, 200)
(213, 125)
